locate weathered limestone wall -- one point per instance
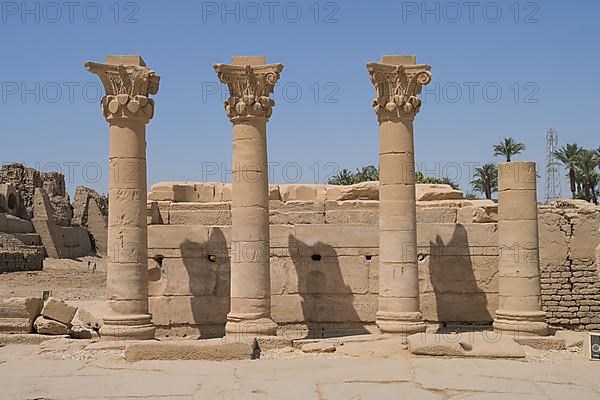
(26, 180)
(569, 273)
(90, 210)
(324, 257)
(20, 252)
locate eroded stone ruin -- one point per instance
(37, 219)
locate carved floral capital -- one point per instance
(128, 88)
(249, 89)
(396, 88)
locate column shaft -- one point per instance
(250, 253)
(520, 310)
(127, 270)
(399, 310)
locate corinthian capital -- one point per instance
(249, 89)
(128, 87)
(397, 87)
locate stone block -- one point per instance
(175, 236)
(277, 217)
(17, 314)
(430, 192)
(470, 344)
(330, 308)
(89, 314)
(319, 347)
(329, 275)
(209, 350)
(196, 276)
(477, 215)
(59, 311)
(200, 217)
(352, 212)
(541, 342)
(352, 217)
(436, 215)
(307, 192)
(338, 235)
(47, 326)
(182, 310)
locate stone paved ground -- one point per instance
(353, 374)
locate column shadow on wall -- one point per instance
(457, 295)
(326, 300)
(208, 269)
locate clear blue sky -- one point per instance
(544, 56)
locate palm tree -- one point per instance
(485, 180)
(508, 148)
(567, 155)
(368, 173)
(344, 177)
(586, 163)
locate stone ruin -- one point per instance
(324, 258)
(321, 260)
(37, 219)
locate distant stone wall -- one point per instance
(90, 210)
(26, 180)
(16, 255)
(324, 257)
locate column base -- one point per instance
(250, 327)
(127, 327)
(521, 323)
(400, 323)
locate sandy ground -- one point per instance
(67, 279)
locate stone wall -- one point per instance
(26, 180)
(324, 257)
(90, 210)
(17, 253)
(569, 273)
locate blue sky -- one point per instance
(542, 56)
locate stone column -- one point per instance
(127, 108)
(250, 81)
(398, 80)
(520, 309)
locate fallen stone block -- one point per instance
(47, 326)
(30, 338)
(211, 349)
(431, 192)
(79, 332)
(542, 342)
(59, 311)
(17, 314)
(89, 315)
(319, 347)
(468, 344)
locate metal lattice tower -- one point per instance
(552, 174)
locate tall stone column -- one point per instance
(127, 108)
(520, 308)
(250, 81)
(398, 80)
